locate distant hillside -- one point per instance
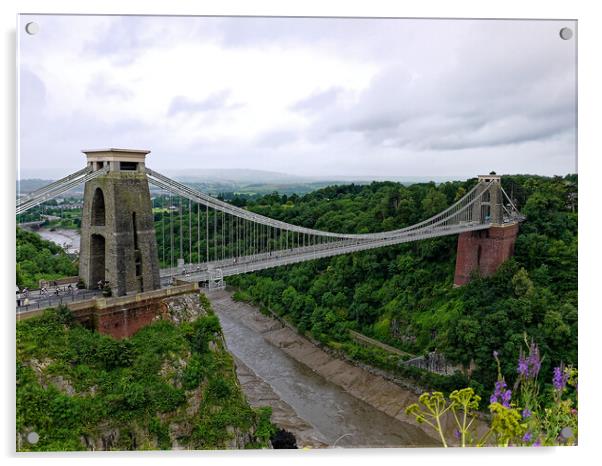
(248, 181)
(29, 185)
(234, 175)
(259, 177)
(32, 184)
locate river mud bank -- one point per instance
(68, 239)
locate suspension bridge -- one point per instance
(139, 244)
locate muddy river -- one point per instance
(334, 415)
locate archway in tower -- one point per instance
(98, 208)
(97, 260)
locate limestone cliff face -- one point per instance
(171, 386)
(184, 308)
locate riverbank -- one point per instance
(386, 400)
(68, 239)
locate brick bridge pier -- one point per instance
(482, 252)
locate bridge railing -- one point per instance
(254, 263)
(48, 301)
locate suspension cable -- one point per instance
(171, 240)
(181, 228)
(162, 226)
(189, 231)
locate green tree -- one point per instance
(433, 203)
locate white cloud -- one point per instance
(346, 97)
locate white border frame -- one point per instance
(589, 164)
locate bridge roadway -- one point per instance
(252, 263)
(37, 300)
(33, 224)
(255, 262)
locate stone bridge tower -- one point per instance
(481, 252)
(118, 241)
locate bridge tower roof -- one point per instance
(116, 159)
(488, 178)
(113, 154)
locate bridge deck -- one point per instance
(245, 264)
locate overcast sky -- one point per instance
(315, 97)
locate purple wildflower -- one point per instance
(529, 366)
(523, 366)
(501, 394)
(537, 443)
(534, 360)
(495, 354)
(527, 437)
(526, 413)
(560, 378)
(506, 398)
(457, 434)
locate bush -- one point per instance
(203, 331)
(193, 374)
(161, 432)
(218, 389)
(265, 429)
(65, 316)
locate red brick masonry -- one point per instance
(123, 316)
(484, 251)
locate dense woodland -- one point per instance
(403, 295)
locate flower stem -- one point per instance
(440, 430)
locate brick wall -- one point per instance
(124, 321)
(121, 317)
(484, 251)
